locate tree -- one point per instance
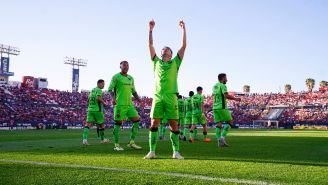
(247, 88)
(288, 88)
(310, 82)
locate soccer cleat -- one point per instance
(177, 155)
(118, 148)
(85, 142)
(184, 138)
(222, 143)
(161, 137)
(104, 141)
(134, 146)
(207, 140)
(191, 140)
(150, 155)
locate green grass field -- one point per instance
(254, 157)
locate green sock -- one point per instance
(195, 133)
(85, 132)
(218, 132)
(102, 133)
(134, 131)
(153, 136)
(161, 130)
(205, 135)
(116, 133)
(174, 136)
(185, 130)
(226, 129)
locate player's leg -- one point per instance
(100, 120)
(226, 116)
(120, 113)
(87, 126)
(204, 124)
(172, 115)
(218, 122)
(134, 117)
(157, 113)
(183, 132)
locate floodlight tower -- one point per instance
(76, 63)
(4, 69)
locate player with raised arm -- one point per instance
(166, 71)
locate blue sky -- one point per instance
(262, 43)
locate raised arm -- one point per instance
(151, 46)
(184, 40)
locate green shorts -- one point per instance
(165, 103)
(122, 112)
(95, 116)
(222, 115)
(188, 120)
(198, 118)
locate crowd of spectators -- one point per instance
(26, 104)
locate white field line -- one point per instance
(172, 174)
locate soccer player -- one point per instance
(188, 108)
(198, 114)
(182, 114)
(121, 89)
(95, 113)
(166, 71)
(220, 109)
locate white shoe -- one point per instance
(134, 146)
(118, 148)
(177, 155)
(150, 155)
(104, 141)
(85, 142)
(222, 143)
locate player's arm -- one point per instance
(184, 40)
(230, 97)
(136, 96)
(100, 100)
(111, 88)
(150, 43)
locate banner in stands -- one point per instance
(75, 80)
(5, 67)
(28, 81)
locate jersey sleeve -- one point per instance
(113, 83)
(133, 89)
(224, 88)
(178, 60)
(99, 92)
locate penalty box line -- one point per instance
(172, 174)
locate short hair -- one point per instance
(167, 48)
(199, 88)
(179, 96)
(221, 76)
(124, 61)
(100, 81)
(191, 93)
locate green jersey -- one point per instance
(197, 101)
(93, 104)
(188, 107)
(181, 108)
(166, 75)
(220, 101)
(123, 87)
